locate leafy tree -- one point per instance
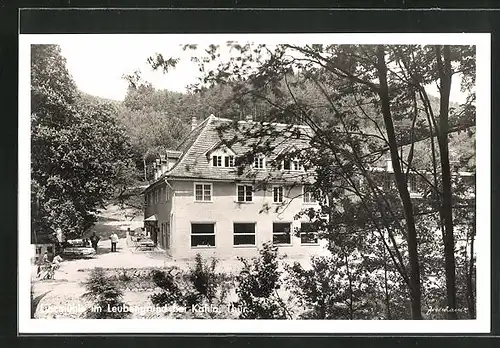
(79, 153)
(156, 120)
(374, 104)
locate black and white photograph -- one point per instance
(312, 179)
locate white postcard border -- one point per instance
(126, 326)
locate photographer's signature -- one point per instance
(445, 310)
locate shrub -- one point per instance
(259, 281)
(171, 293)
(124, 276)
(316, 289)
(204, 279)
(105, 296)
(201, 285)
(329, 290)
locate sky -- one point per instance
(98, 62)
(98, 67)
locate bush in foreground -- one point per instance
(259, 281)
(105, 295)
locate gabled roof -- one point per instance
(193, 135)
(195, 164)
(219, 145)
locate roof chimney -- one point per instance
(194, 123)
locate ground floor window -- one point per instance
(244, 233)
(307, 234)
(281, 233)
(202, 234)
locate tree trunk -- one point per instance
(470, 274)
(351, 310)
(444, 69)
(415, 289)
(386, 288)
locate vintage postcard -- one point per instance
(190, 183)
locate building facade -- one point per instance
(200, 202)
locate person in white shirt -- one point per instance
(56, 262)
(114, 241)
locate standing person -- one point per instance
(56, 263)
(94, 239)
(45, 258)
(114, 240)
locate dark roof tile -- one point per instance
(194, 163)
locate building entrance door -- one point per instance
(167, 235)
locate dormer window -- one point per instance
(223, 161)
(217, 161)
(222, 157)
(229, 161)
(292, 164)
(259, 162)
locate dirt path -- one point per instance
(125, 257)
(62, 295)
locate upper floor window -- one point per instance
(259, 162)
(278, 194)
(223, 161)
(308, 194)
(387, 181)
(244, 193)
(202, 192)
(292, 164)
(167, 194)
(217, 161)
(229, 161)
(413, 183)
